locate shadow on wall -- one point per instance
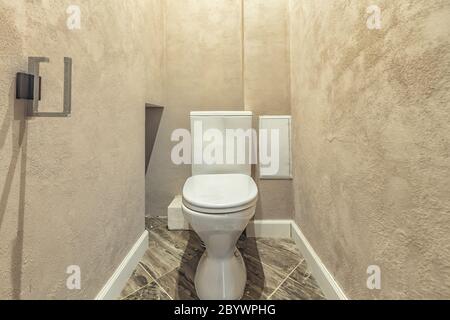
(153, 115)
(16, 121)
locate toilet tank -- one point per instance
(222, 142)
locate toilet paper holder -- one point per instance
(28, 87)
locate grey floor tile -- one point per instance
(284, 261)
(155, 222)
(139, 279)
(149, 292)
(301, 273)
(168, 250)
(173, 256)
(261, 280)
(179, 284)
(292, 290)
(281, 244)
(159, 260)
(184, 242)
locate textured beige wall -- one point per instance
(154, 48)
(203, 71)
(266, 52)
(72, 190)
(267, 86)
(372, 142)
(205, 42)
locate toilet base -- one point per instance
(221, 279)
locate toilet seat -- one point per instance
(220, 193)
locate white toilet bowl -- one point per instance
(219, 208)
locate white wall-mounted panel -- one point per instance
(275, 147)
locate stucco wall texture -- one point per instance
(220, 55)
(371, 136)
(202, 71)
(72, 190)
(372, 142)
(267, 87)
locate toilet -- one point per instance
(219, 200)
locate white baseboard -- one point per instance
(115, 285)
(269, 229)
(289, 229)
(324, 278)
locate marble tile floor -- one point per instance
(275, 268)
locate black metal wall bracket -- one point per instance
(25, 86)
(28, 87)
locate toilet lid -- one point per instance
(221, 191)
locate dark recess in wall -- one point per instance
(153, 115)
